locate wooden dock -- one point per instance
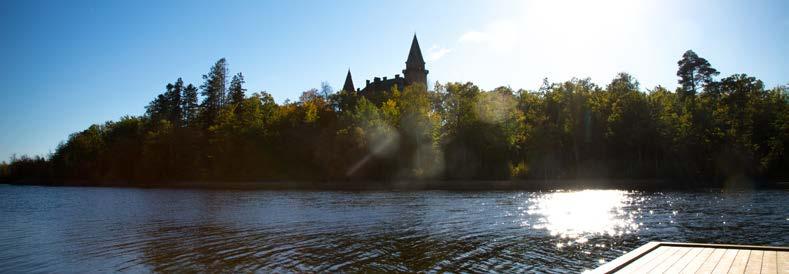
(666, 257)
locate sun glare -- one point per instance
(581, 213)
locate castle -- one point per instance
(413, 73)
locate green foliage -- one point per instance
(734, 128)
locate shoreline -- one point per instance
(415, 185)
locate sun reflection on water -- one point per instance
(577, 214)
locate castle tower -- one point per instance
(415, 71)
(348, 86)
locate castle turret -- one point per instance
(348, 86)
(415, 71)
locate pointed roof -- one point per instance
(348, 86)
(415, 54)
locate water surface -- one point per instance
(46, 229)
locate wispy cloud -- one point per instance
(436, 52)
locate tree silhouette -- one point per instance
(174, 92)
(735, 128)
(236, 90)
(213, 89)
(694, 72)
(189, 105)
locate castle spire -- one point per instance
(348, 86)
(415, 54)
(415, 71)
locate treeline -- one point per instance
(706, 132)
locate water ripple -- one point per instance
(104, 229)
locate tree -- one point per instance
(623, 83)
(418, 130)
(167, 106)
(575, 129)
(189, 105)
(4, 171)
(629, 125)
(236, 91)
(174, 92)
(344, 101)
(214, 91)
(736, 114)
(694, 72)
(326, 89)
(313, 104)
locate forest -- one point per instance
(709, 130)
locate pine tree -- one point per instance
(694, 72)
(167, 106)
(189, 105)
(214, 89)
(236, 91)
(173, 95)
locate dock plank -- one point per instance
(657, 261)
(754, 265)
(632, 267)
(782, 262)
(667, 257)
(714, 260)
(627, 258)
(739, 263)
(671, 260)
(696, 263)
(680, 264)
(768, 262)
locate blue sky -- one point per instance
(70, 64)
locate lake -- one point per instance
(70, 229)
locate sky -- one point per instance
(70, 64)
